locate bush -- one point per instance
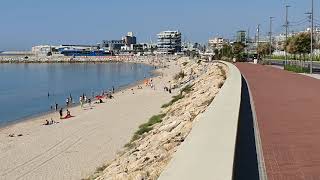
(174, 99)
(181, 75)
(228, 59)
(295, 68)
(144, 128)
(153, 120)
(187, 89)
(223, 72)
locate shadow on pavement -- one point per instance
(246, 163)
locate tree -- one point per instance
(299, 44)
(217, 54)
(226, 51)
(264, 49)
(238, 49)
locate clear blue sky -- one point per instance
(25, 23)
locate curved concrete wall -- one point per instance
(209, 150)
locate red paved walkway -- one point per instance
(288, 112)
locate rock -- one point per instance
(155, 149)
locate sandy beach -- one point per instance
(74, 148)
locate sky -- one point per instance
(25, 23)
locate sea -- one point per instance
(28, 90)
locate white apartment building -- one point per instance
(169, 42)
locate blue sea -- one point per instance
(24, 88)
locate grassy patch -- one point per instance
(153, 120)
(174, 99)
(187, 89)
(144, 128)
(181, 75)
(223, 72)
(297, 69)
(101, 168)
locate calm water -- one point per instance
(24, 87)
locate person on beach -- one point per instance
(67, 102)
(70, 98)
(61, 113)
(81, 101)
(46, 123)
(89, 102)
(112, 89)
(85, 99)
(56, 106)
(68, 113)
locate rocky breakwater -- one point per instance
(155, 143)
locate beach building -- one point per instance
(169, 42)
(42, 50)
(216, 42)
(112, 45)
(81, 50)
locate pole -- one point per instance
(270, 37)
(312, 26)
(287, 26)
(258, 39)
(248, 43)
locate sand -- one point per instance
(74, 148)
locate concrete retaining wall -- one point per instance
(208, 152)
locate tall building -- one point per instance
(241, 36)
(169, 42)
(129, 39)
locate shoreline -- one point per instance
(73, 148)
(153, 74)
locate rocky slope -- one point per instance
(153, 147)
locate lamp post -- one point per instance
(287, 26)
(270, 36)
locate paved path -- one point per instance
(288, 113)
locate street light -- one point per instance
(270, 34)
(311, 15)
(287, 26)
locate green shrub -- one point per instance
(153, 120)
(187, 89)
(144, 128)
(174, 99)
(181, 74)
(295, 68)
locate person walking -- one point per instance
(67, 102)
(56, 106)
(81, 102)
(60, 113)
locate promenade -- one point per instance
(287, 108)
